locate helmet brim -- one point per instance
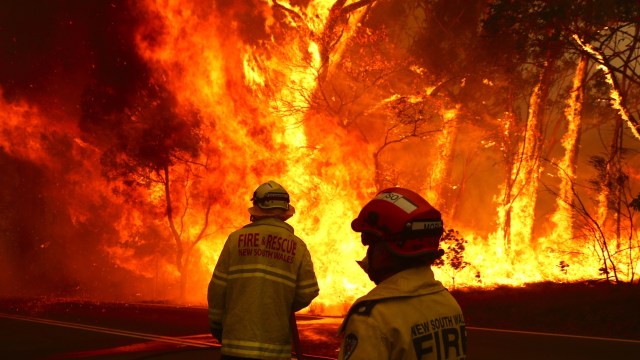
(275, 212)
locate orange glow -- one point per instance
(254, 91)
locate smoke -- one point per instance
(249, 18)
(69, 73)
(44, 250)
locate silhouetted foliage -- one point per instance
(453, 258)
(635, 203)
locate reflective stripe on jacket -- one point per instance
(409, 316)
(264, 272)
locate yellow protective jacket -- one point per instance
(263, 274)
(409, 316)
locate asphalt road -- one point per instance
(77, 330)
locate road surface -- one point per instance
(78, 330)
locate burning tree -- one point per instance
(617, 251)
(619, 202)
(557, 26)
(157, 148)
(189, 104)
(412, 117)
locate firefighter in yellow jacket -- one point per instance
(409, 315)
(263, 274)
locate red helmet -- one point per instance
(404, 220)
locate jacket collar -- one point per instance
(410, 282)
(271, 221)
(407, 283)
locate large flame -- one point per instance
(254, 97)
(251, 69)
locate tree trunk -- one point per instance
(527, 174)
(439, 181)
(563, 217)
(184, 275)
(174, 232)
(609, 194)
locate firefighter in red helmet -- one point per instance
(263, 274)
(409, 315)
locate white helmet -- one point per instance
(271, 200)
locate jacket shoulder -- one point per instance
(363, 308)
(359, 308)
